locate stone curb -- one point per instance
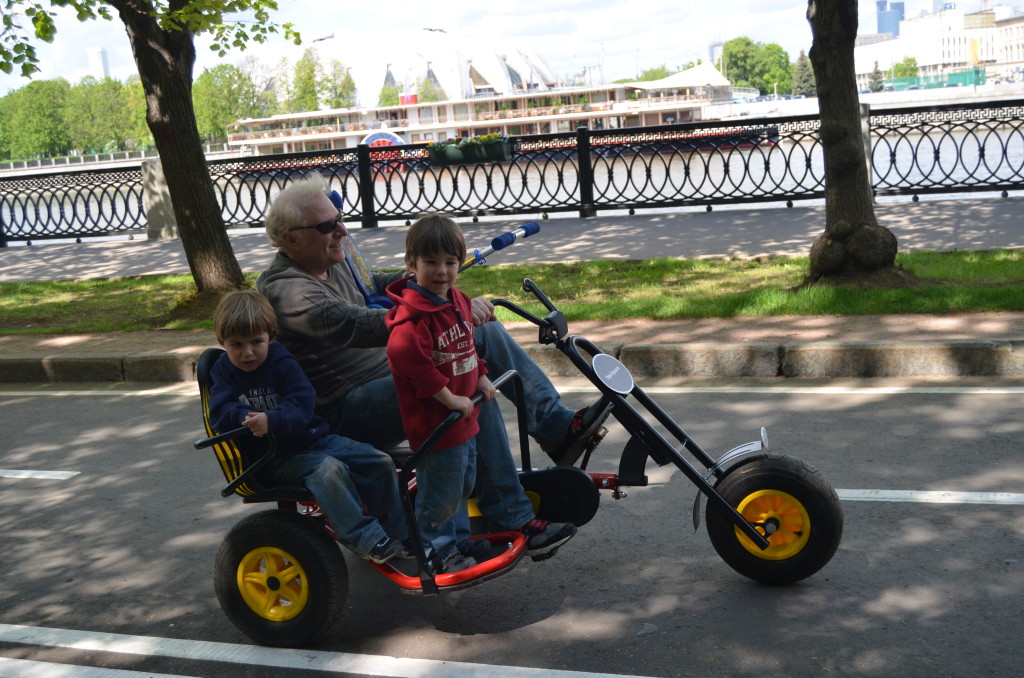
(826, 359)
(153, 367)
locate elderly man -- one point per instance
(340, 342)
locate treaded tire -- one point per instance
(786, 493)
(280, 578)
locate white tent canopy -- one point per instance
(701, 75)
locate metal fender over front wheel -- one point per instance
(280, 578)
(788, 502)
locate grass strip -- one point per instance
(949, 282)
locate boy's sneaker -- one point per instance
(383, 551)
(457, 561)
(585, 424)
(477, 549)
(407, 552)
(543, 537)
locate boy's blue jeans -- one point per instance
(444, 481)
(370, 412)
(343, 475)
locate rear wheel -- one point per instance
(280, 578)
(788, 502)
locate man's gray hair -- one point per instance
(292, 205)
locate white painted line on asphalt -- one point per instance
(189, 389)
(307, 660)
(815, 390)
(24, 668)
(183, 389)
(932, 497)
(38, 475)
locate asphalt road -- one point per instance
(126, 547)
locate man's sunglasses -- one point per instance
(325, 228)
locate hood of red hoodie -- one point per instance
(409, 302)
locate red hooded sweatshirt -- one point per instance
(431, 346)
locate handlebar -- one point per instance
(553, 327)
(443, 427)
(499, 243)
(221, 437)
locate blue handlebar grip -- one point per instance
(503, 241)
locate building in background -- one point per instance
(889, 17)
(947, 43)
(98, 67)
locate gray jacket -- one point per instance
(338, 341)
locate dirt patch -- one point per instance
(197, 309)
(887, 278)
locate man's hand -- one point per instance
(483, 311)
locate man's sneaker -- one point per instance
(457, 561)
(543, 537)
(585, 424)
(477, 549)
(383, 551)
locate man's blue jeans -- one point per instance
(370, 413)
(342, 475)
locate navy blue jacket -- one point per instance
(279, 388)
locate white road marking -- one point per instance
(186, 388)
(24, 668)
(816, 390)
(891, 496)
(189, 389)
(307, 660)
(44, 475)
(932, 497)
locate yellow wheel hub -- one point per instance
(781, 518)
(273, 584)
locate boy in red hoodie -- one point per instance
(436, 370)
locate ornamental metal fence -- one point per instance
(914, 150)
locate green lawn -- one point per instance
(951, 282)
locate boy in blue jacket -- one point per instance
(258, 384)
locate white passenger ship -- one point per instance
(534, 109)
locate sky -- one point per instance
(611, 39)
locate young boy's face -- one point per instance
(247, 353)
(437, 272)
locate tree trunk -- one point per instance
(165, 59)
(853, 241)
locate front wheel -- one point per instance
(788, 502)
(280, 578)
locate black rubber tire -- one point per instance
(807, 539)
(282, 611)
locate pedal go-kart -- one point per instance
(281, 578)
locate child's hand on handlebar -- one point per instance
(257, 423)
(485, 387)
(455, 403)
